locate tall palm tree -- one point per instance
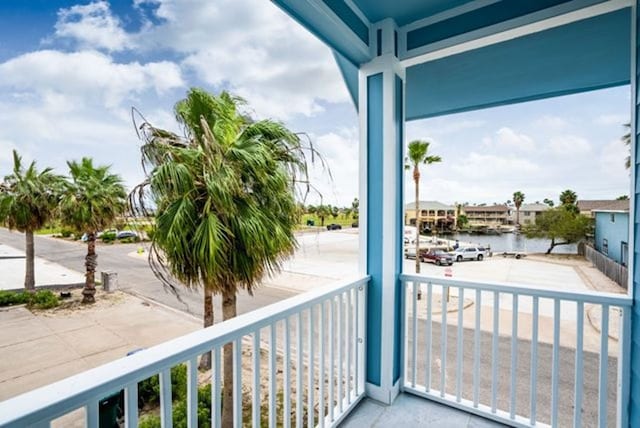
(518, 199)
(226, 210)
(569, 200)
(28, 200)
(626, 139)
(92, 200)
(418, 154)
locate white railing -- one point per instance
(520, 355)
(316, 338)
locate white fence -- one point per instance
(315, 344)
(518, 355)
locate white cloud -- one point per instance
(86, 76)
(612, 119)
(481, 167)
(551, 123)
(566, 145)
(265, 57)
(340, 151)
(507, 138)
(92, 25)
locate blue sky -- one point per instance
(70, 72)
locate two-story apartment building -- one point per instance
(530, 212)
(433, 215)
(490, 215)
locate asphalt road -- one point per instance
(135, 275)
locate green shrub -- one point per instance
(41, 299)
(10, 298)
(149, 389)
(179, 414)
(108, 237)
(44, 299)
(66, 232)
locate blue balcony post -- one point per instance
(633, 342)
(381, 101)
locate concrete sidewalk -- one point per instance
(12, 266)
(38, 348)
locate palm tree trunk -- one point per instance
(228, 312)
(205, 361)
(29, 276)
(416, 177)
(91, 263)
(518, 216)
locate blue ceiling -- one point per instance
(407, 11)
(581, 56)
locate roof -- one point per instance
(488, 208)
(429, 205)
(534, 207)
(604, 205)
(518, 49)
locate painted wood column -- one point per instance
(632, 341)
(381, 83)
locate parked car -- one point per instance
(470, 253)
(436, 256)
(126, 234)
(354, 224)
(334, 226)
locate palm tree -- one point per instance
(626, 139)
(92, 200)
(568, 200)
(419, 154)
(518, 199)
(28, 200)
(323, 211)
(225, 203)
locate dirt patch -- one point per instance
(74, 304)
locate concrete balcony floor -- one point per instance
(410, 411)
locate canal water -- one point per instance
(513, 242)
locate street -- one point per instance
(134, 273)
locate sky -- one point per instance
(70, 72)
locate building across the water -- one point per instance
(433, 215)
(529, 213)
(488, 215)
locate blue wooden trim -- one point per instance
(375, 149)
(349, 17)
(573, 58)
(398, 121)
(474, 20)
(634, 393)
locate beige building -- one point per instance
(433, 214)
(530, 212)
(489, 216)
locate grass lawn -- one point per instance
(344, 222)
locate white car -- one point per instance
(470, 253)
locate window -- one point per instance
(613, 218)
(605, 246)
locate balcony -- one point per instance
(493, 354)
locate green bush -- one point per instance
(108, 237)
(10, 298)
(179, 414)
(149, 389)
(41, 299)
(44, 299)
(66, 232)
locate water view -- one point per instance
(513, 242)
